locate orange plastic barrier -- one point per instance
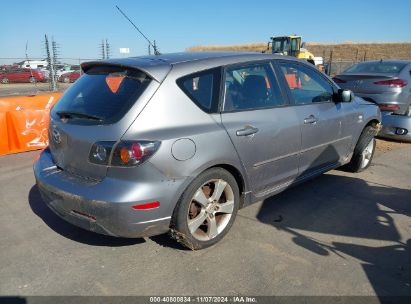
(24, 122)
(292, 81)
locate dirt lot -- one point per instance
(384, 146)
(338, 234)
(15, 89)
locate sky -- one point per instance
(78, 26)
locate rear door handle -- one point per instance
(248, 130)
(310, 120)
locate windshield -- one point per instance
(103, 92)
(380, 67)
(280, 45)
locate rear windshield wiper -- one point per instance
(69, 114)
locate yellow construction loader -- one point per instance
(292, 46)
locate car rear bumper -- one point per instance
(388, 98)
(397, 127)
(106, 206)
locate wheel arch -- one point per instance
(238, 177)
(373, 122)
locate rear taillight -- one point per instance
(338, 80)
(132, 153)
(395, 83)
(125, 154)
(388, 107)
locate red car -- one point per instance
(21, 75)
(70, 77)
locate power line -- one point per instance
(154, 46)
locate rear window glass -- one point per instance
(376, 67)
(103, 93)
(202, 88)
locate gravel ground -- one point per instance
(16, 89)
(338, 234)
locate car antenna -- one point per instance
(154, 46)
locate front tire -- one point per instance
(364, 151)
(32, 80)
(206, 210)
(5, 80)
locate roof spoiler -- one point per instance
(157, 71)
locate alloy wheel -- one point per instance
(366, 155)
(210, 210)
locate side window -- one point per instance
(202, 88)
(251, 87)
(306, 85)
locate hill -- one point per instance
(345, 50)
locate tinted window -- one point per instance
(251, 87)
(104, 92)
(202, 88)
(376, 67)
(306, 85)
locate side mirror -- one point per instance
(345, 95)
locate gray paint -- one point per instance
(362, 84)
(283, 151)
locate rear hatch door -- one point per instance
(100, 106)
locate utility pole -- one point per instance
(54, 48)
(102, 50)
(155, 48)
(52, 77)
(108, 49)
(105, 50)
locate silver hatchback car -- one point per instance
(179, 142)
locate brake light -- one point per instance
(125, 154)
(132, 153)
(338, 80)
(388, 107)
(395, 83)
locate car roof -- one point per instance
(157, 66)
(388, 60)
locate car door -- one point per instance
(324, 141)
(21, 75)
(13, 75)
(262, 126)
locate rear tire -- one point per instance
(5, 80)
(32, 80)
(66, 80)
(206, 210)
(364, 151)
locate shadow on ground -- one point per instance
(70, 231)
(348, 206)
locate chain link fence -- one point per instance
(337, 66)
